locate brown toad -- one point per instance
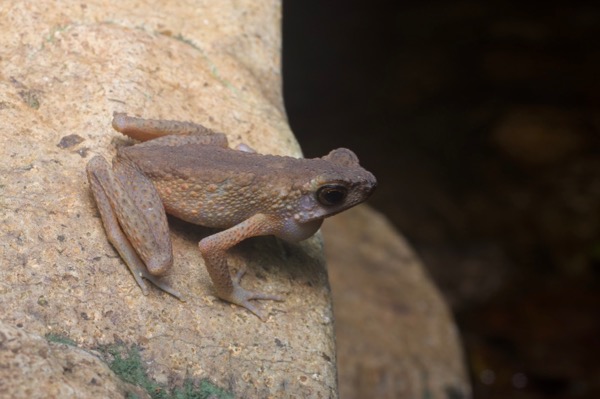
(188, 171)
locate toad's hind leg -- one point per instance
(119, 213)
(150, 129)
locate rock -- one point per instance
(33, 367)
(395, 335)
(63, 71)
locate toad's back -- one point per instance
(220, 187)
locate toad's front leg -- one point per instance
(213, 250)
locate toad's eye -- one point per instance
(331, 194)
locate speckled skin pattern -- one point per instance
(188, 171)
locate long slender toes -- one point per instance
(260, 295)
(238, 276)
(259, 313)
(164, 286)
(246, 294)
(140, 281)
(242, 297)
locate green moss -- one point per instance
(127, 364)
(31, 98)
(187, 41)
(204, 390)
(60, 339)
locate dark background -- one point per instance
(480, 121)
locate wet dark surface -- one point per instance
(481, 121)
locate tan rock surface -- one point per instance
(58, 370)
(64, 68)
(395, 336)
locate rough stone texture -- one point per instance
(64, 68)
(32, 367)
(395, 335)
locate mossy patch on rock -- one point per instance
(128, 365)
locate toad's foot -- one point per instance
(242, 297)
(142, 274)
